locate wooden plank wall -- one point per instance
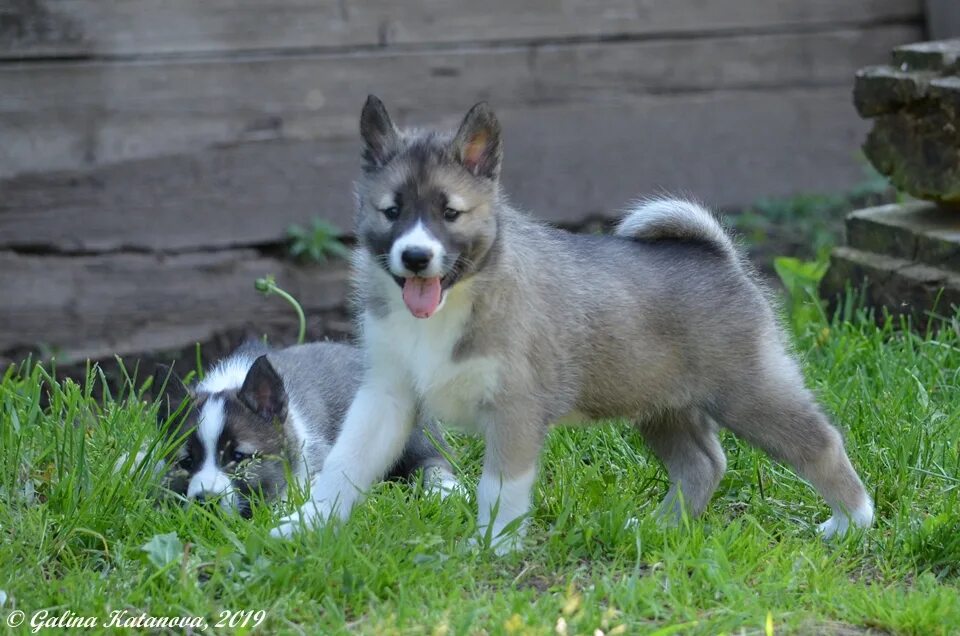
(138, 133)
(943, 19)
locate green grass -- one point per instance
(73, 535)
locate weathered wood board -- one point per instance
(95, 306)
(65, 28)
(70, 115)
(154, 152)
(943, 19)
(565, 163)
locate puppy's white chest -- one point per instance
(454, 391)
(423, 350)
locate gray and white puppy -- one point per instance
(498, 323)
(262, 414)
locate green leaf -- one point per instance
(163, 549)
(316, 243)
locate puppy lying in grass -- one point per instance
(263, 416)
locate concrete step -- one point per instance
(901, 285)
(916, 231)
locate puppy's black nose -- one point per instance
(204, 499)
(416, 259)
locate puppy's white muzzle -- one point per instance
(418, 242)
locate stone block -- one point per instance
(902, 286)
(942, 56)
(916, 231)
(915, 104)
(880, 90)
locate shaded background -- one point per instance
(153, 154)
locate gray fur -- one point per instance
(661, 322)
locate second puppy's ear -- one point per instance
(477, 144)
(170, 391)
(380, 137)
(262, 391)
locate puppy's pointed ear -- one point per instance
(262, 391)
(380, 137)
(170, 391)
(477, 144)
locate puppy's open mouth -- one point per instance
(424, 295)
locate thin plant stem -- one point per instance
(267, 286)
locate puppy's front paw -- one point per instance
(310, 514)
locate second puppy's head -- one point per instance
(231, 433)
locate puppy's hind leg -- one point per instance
(772, 409)
(686, 442)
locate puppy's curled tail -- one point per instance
(677, 219)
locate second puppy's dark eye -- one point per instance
(186, 463)
(450, 214)
(392, 213)
(239, 457)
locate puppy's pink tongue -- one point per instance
(422, 295)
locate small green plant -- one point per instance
(801, 279)
(316, 243)
(267, 286)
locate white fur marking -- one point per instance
(653, 216)
(299, 429)
(841, 522)
(387, 201)
(228, 374)
(210, 480)
(420, 237)
(421, 353)
(511, 498)
(455, 202)
(441, 481)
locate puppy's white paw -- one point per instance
(310, 514)
(440, 481)
(833, 526)
(841, 523)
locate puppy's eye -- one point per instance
(392, 213)
(449, 214)
(239, 457)
(186, 463)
